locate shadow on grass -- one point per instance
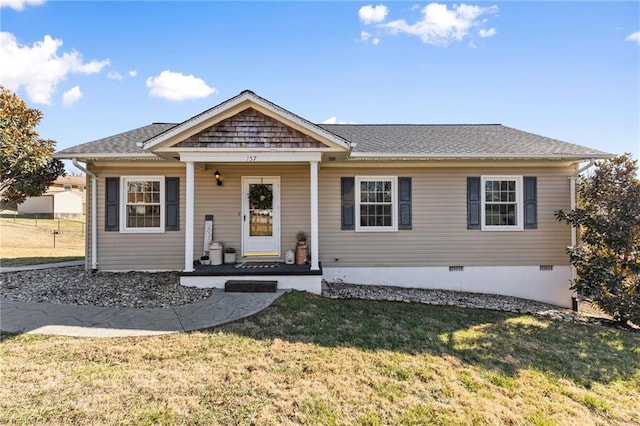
(25, 261)
(497, 341)
(5, 335)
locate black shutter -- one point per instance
(172, 203)
(348, 202)
(404, 203)
(112, 204)
(473, 203)
(530, 202)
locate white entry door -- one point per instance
(261, 216)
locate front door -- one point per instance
(261, 216)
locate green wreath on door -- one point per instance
(261, 196)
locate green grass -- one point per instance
(312, 360)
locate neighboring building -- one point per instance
(64, 199)
(459, 207)
(76, 184)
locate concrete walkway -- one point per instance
(42, 266)
(94, 321)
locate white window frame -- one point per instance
(123, 205)
(394, 204)
(519, 226)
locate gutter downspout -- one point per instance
(574, 230)
(94, 214)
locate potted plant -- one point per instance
(301, 248)
(229, 255)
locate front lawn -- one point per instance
(314, 360)
(31, 241)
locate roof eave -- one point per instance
(106, 156)
(551, 157)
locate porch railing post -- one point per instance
(314, 215)
(189, 212)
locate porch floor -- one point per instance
(231, 270)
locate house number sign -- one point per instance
(252, 158)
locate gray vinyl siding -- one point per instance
(440, 236)
(165, 251)
(225, 203)
(137, 251)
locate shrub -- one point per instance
(607, 258)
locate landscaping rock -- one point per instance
(74, 285)
(452, 298)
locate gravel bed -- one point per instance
(452, 298)
(74, 285)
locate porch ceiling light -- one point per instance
(217, 175)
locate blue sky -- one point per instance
(568, 70)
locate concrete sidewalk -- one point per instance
(41, 266)
(94, 321)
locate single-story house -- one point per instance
(459, 207)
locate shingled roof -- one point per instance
(370, 140)
(122, 143)
(454, 140)
(367, 141)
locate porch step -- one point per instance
(250, 286)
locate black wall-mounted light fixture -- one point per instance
(218, 176)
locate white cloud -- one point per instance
(176, 86)
(133, 73)
(114, 75)
(92, 67)
(19, 4)
(440, 25)
(71, 96)
(365, 36)
(487, 33)
(39, 67)
(334, 120)
(373, 14)
(634, 37)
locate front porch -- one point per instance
(298, 277)
(249, 144)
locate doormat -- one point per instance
(256, 265)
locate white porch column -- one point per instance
(314, 215)
(188, 232)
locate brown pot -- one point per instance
(301, 252)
